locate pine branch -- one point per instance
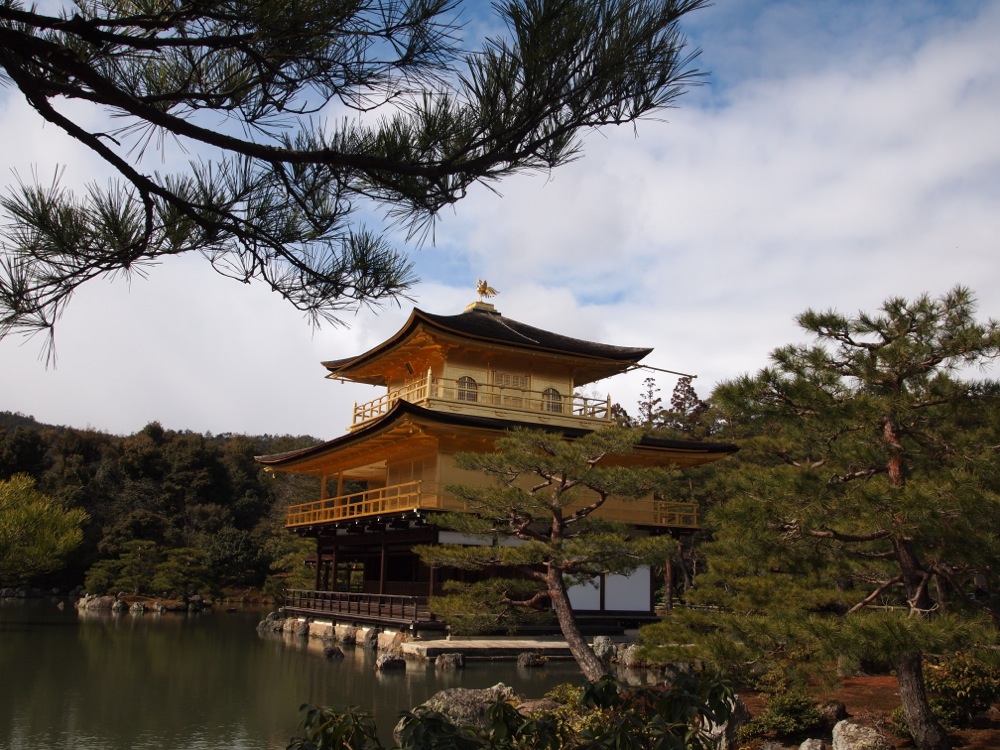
(538, 601)
(875, 594)
(851, 476)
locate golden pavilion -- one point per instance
(451, 384)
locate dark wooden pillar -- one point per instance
(332, 577)
(601, 583)
(319, 562)
(382, 565)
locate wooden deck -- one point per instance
(407, 612)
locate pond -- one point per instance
(197, 681)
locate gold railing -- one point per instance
(661, 513)
(415, 393)
(485, 394)
(361, 504)
(409, 496)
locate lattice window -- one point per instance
(513, 388)
(517, 380)
(552, 401)
(468, 389)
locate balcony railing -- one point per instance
(377, 608)
(396, 497)
(663, 513)
(410, 496)
(545, 403)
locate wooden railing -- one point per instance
(416, 393)
(412, 496)
(397, 497)
(546, 403)
(660, 513)
(376, 608)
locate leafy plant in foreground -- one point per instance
(663, 718)
(340, 727)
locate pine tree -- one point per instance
(36, 531)
(651, 411)
(299, 114)
(539, 514)
(865, 503)
(687, 410)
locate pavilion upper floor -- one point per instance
(402, 466)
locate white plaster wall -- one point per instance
(628, 592)
(473, 540)
(620, 593)
(585, 596)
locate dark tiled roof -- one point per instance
(491, 326)
(495, 327)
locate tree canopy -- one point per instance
(190, 498)
(298, 115)
(861, 518)
(540, 515)
(36, 530)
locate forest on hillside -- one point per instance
(168, 512)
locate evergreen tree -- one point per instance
(300, 114)
(36, 530)
(539, 515)
(865, 505)
(650, 406)
(687, 413)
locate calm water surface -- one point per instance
(196, 682)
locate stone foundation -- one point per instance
(329, 632)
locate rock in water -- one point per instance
(531, 659)
(604, 648)
(449, 661)
(389, 661)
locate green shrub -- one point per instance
(565, 693)
(336, 728)
(785, 715)
(958, 687)
(962, 686)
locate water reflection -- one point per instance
(196, 681)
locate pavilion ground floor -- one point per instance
(372, 576)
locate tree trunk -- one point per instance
(914, 578)
(668, 583)
(925, 729)
(592, 667)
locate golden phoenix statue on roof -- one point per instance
(484, 290)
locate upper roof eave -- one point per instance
(492, 327)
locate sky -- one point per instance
(838, 154)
